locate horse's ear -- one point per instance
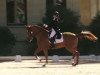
(82, 31)
(25, 25)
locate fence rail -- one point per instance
(89, 57)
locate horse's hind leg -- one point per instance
(75, 58)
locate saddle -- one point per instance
(55, 37)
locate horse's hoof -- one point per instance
(44, 65)
(73, 64)
(40, 60)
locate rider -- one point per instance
(55, 26)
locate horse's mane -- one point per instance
(40, 27)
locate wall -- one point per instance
(73, 5)
(94, 8)
(2, 12)
(87, 9)
(85, 12)
(35, 10)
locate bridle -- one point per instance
(31, 35)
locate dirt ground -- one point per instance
(63, 67)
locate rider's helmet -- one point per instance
(56, 13)
(56, 16)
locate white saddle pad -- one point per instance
(53, 32)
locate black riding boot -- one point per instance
(52, 42)
(58, 35)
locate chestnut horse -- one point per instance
(70, 41)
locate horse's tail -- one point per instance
(88, 35)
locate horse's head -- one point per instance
(35, 31)
(29, 32)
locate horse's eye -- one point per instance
(27, 30)
(31, 32)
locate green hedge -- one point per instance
(94, 27)
(7, 41)
(68, 19)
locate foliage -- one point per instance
(68, 19)
(7, 41)
(95, 25)
(87, 47)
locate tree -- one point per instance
(7, 41)
(68, 19)
(95, 25)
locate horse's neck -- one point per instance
(41, 34)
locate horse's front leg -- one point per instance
(36, 56)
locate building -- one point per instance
(15, 14)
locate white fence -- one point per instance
(88, 57)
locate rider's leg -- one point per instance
(52, 35)
(58, 33)
(52, 39)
